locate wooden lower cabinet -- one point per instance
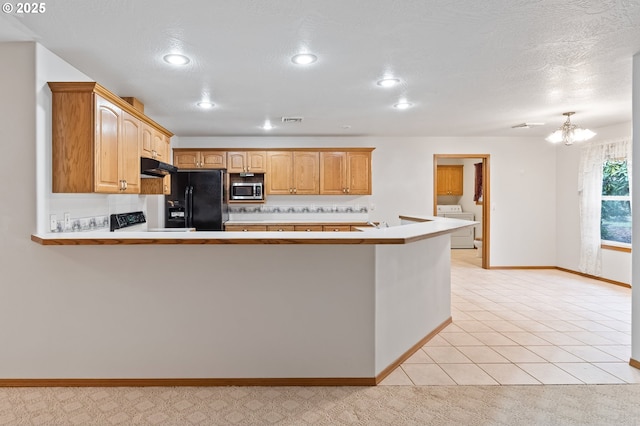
(300, 227)
(245, 228)
(280, 228)
(309, 228)
(336, 228)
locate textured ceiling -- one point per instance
(470, 67)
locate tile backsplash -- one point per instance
(298, 209)
(82, 224)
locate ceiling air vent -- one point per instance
(292, 119)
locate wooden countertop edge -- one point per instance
(218, 241)
(413, 218)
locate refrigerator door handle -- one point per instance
(187, 207)
(190, 224)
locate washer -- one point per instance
(462, 238)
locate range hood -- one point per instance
(155, 168)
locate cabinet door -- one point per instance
(449, 180)
(159, 146)
(280, 228)
(107, 129)
(308, 228)
(236, 162)
(186, 159)
(146, 142)
(333, 168)
(306, 170)
(213, 159)
(279, 179)
(337, 228)
(129, 152)
(456, 181)
(244, 228)
(257, 161)
(359, 173)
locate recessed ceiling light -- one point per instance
(176, 59)
(205, 104)
(388, 82)
(403, 105)
(304, 59)
(267, 125)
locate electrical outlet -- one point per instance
(67, 221)
(53, 223)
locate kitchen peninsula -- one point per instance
(313, 308)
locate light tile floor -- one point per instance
(526, 327)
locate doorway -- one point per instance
(484, 202)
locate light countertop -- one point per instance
(424, 227)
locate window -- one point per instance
(615, 221)
(604, 176)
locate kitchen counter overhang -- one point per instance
(422, 227)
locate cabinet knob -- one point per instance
(348, 190)
(295, 190)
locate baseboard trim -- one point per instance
(302, 381)
(405, 356)
(593, 277)
(634, 363)
(523, 267)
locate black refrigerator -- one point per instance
(198, 200)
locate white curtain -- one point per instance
(592, 158)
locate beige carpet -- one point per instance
(391, 405)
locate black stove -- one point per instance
(124, 220)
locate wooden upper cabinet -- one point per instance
(359, 173)
(333, 173)
(186, 159)
(154, 144)
(107, 176)
(279, 179)
(292, 173)
(129, 153)
(345, 173)
(246, 161)
(96, 140)
(449, 180)
(306, 170)
(199, 159)
(213, 159)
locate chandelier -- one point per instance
(569, 133)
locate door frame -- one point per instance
(486, 198)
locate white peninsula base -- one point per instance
(297, 309)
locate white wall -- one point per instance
(616, 265)
(635, 199)
(522, 233)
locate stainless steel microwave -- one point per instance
(246, 191)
